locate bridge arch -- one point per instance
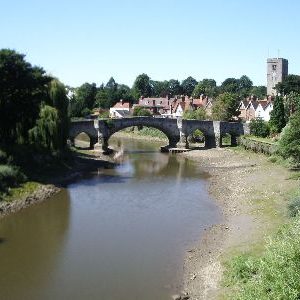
(208, 128)
(83, 126)
(166, 126)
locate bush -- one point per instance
(141, 112)
(104, 115)
(294, 206)
(3, 157)
(85, 112)
(289, 143)
(259, 127)
(10, 176)
(197, 136)
(198, 114)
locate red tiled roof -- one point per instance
(122, 104)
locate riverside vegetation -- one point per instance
(274, 272)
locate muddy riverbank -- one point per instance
(252, 194)
(50, 185)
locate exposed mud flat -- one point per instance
(251, 192)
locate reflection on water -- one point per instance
(34, 240)
(116, 234)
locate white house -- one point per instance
(263, 110)
(268, 109)
(120, 110)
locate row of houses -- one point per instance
(253, 108)
(164, 107)
(175, 107)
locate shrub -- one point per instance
(289, 143)
(294, 206)
(85, 112)
(140, 112)
(259, 127)
(197, 136)
(10, 176)
(198, 114)
(104, 115)
(3, 157)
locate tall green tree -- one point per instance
(290, 83)
(230, 85)
(174, 87)
(22, 89)
(86, 94)
(160, 88)
(142, 86)
(277, 116)
(260, 92)
(102, 98)
(225, 107)
(291, 103)
(188, 85)
(207, 87)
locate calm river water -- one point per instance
(116, 234)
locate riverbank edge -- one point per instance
(43, 191)
(40, 194)
(248, 218)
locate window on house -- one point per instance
(274, 67)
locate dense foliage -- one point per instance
(198, 114)
(22, 89)
(141, 112)
(277, 116)
(289, 143)
(259, 127)
(33, 116)
(290, 83)
(225, 107)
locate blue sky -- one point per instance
(90, 41)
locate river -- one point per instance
(116, 234)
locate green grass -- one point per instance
(273, 275)
(23, 190)
(153, 132)
(261, 139)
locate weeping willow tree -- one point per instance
(59, 100)
(51, 129)
(45, 134)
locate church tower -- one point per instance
(277, 70)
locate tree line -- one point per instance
(89, 96)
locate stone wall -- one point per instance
(258, 146)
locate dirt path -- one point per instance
(252, 194)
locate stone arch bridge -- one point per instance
(176, 130)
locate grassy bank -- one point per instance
(269, 269)
(275, 274)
